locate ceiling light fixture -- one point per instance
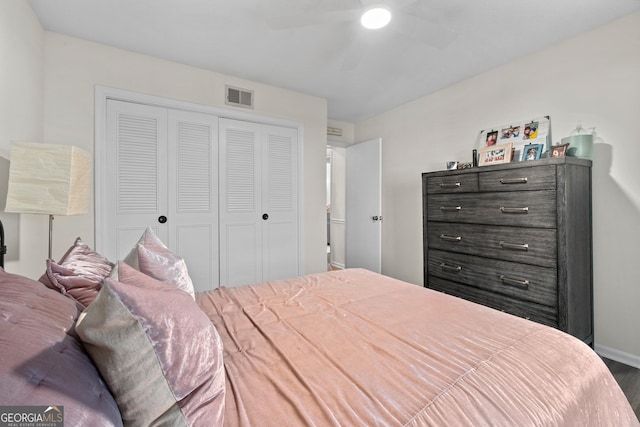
(375, 18)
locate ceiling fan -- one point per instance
(418, 20)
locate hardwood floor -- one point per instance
(629, 379)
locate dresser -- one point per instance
(515, 237)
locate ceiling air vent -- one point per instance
(239, 97)
(334, 131)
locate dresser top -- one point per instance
(516, 165)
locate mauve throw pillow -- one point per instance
(78, 274)
(158, 352)
(154, 259)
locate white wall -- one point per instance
(594, 78)
(21, 119)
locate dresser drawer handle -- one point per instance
(513, 180)
(450, 208)
(514, 210)
(451, 238)
(522, 284)
(450, 267)
(450, 184)
(516, 246)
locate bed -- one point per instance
(341, 348)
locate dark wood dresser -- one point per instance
(515, 237)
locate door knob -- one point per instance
(162, 219)
(375, 217)
(265, 216)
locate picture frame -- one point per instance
(532, 152)
(495, 154)
(559, 150)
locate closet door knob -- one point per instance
(265, 216)
(162, 219)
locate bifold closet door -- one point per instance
(258, 202)
(136, 175)
(280, 202)
(193, 194)
(162, 172)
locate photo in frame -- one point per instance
(495, 154)
(519, 134)
(532, 152)
(559, 150)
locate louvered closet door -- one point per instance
(162, 172)
(280, 202)
(240, 203)
(258, 203)
(193, 194)
(136, 177)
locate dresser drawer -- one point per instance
(541, 314)
(521, 209)
(454, 183)
(525, 282)
(536, 246)
(521, 179)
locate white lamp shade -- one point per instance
(48, 179)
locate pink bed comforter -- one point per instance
(353, 348)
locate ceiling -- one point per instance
(318, 47)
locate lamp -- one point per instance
(48, 179)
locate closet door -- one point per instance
(279, 202)
(240, 203)
(258, 203)
(136, 178)
(162, 172)
(193, 194)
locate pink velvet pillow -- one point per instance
(79, 273)
(158, 352)
(154, 259)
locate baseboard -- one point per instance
(337, 265)
(618, 356)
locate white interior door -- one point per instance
(193, 194)
(364, 205)
(161, 171)
(258, 202)
(279, 202)
(240, 203)
(203, 184)
(136, 178)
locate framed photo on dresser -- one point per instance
(532, 152)
(495, 154)
(559, 150)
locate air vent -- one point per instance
(239, 97)
(334, 131)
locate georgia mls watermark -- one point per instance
(31, 416)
